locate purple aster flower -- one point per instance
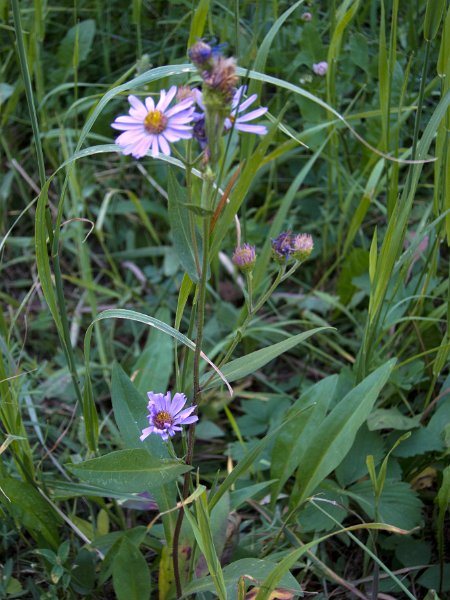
(320, 68)
(165, 414)
(152, 127)
(238, 106)
(244, 257)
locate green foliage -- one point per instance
(340, 375)
(133, 470)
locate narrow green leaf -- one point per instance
(198, 22)
(433, 16)
(373, 257)
(243, 366)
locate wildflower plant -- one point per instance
(205, 114)
(204, 131)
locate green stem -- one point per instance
(281, 275)
(201, 302)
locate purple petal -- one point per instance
(183, 120)
(165, 148)
(129, 137)
(140, 149)
(198, 97)
(170, 136)
(184, 413)
(125, 122)
(179, 400)
(186, 105)
(158, 399)
(190, 420)
(247, 103)
(146, 432)
(254, 114)
(173, 134)
(150, 104)
(139, 108)
(238, 95)
(166, 98)
(168, 396)
(258, 129)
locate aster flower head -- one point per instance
(166, 415)
(244, 257)
(241, 123)
(320, 68)
(238, 105)
(302, 245)
(149, 127)
(281, 247)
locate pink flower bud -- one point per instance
(320, 68)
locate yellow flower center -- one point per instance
(155, 121)
(162, 418)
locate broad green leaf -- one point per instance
(391, 418)
(431, 578)
(353, 467)
(131, 575)
(294, 438)
(128, 470)
(243, 366)
(335, 435)
(399, 504)
(130, 413)
(180, 220)
(84, 32)
(153, 368)
(256, 568)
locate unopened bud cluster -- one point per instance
(218, 74)
(288, 245)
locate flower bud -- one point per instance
(281, 247)
(307, 17)
(301, 246)
(201, 54)
(244, 257)
(320, 68)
